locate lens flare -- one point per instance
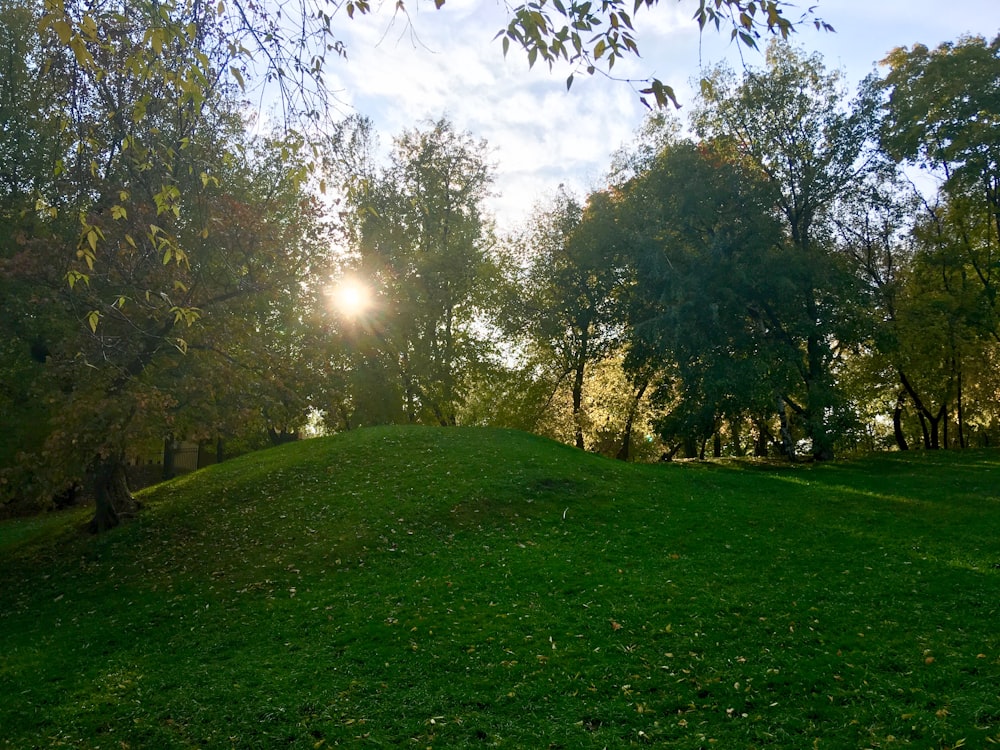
(351, 298)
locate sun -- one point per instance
(351, 297)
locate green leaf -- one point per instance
(93, 318)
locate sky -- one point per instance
(403, 73)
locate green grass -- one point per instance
(480, 588)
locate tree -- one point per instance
(161, 223)
(788, 122)
(710, 264)
(570, 280)
(941, 112)
(289, 48)
(422, 242)
(591, 38)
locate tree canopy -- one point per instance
(764, 280)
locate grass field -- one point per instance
(479, 588)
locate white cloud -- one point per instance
(401, 72)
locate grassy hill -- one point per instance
(480, 588)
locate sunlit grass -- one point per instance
(456, 588)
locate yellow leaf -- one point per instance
(63, 30)
(89, 27)
(74, 276)
(238, 76)
(92, 318)
(156, 40)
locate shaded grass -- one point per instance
(483, 588)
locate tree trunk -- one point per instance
(897, 422)
(578, 404)
(923, 429)
(113, 500)
(624, 451)
(961, 414)
(281, 435)
(787, 444)
(819, 394)
(762, 442)
(933, 435)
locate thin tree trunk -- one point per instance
(624, 451)
(787, 445)
(897, 422)
(578, 404)
(960, 413)
(578, 376)
(925, 431)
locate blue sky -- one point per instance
(445, 62)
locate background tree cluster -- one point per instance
(763, 277)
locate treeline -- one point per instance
(766, 277)
(762, 278)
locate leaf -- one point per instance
(238, 76)
(156, 40)
(93, 317)
(74, 276)
(89, 27)
(63, 30)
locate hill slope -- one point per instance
(473, 587)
